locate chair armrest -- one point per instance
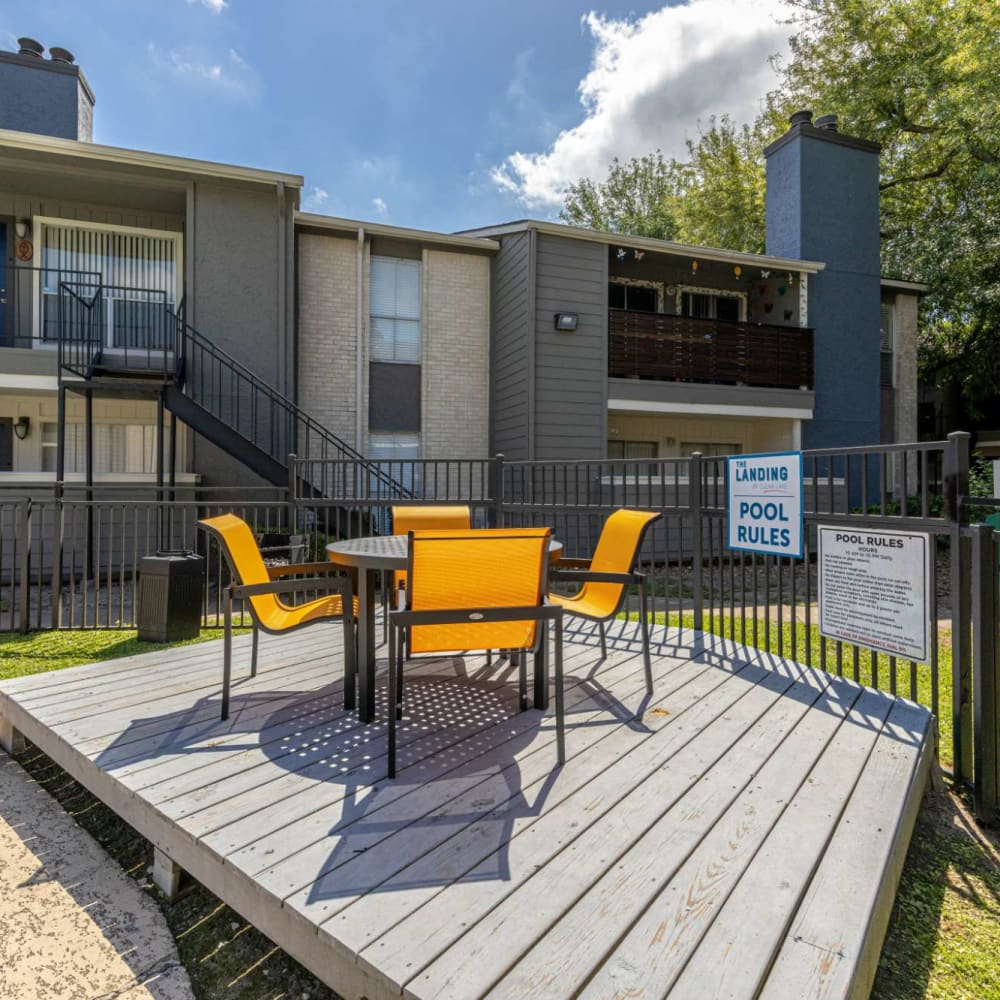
(475, 616)
(340, 584)
(294, 569)
(590, 576)
(565, 563)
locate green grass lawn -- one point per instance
(943, 941)
(39, 652)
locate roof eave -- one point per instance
(652, 245)
(46, 144)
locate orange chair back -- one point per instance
(503, 568)
(407, 519)
(616, 552)
(245, 561)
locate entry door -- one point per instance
(4, 274)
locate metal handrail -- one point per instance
(301, 431)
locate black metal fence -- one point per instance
(73, 563)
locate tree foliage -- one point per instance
(921, 77)
(713, 198)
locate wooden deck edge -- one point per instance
(230, 885)
(863, 974)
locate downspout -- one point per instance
(359, 373)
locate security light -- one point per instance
(567, 322)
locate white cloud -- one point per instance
(215, 6)
(315, 199)
(380, 207)
(232, 74)
(651, 80)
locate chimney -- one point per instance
(822, 204)
(45, 96)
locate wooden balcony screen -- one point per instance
(685, 349)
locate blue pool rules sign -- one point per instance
(765, 503)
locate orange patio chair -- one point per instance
(413, 518)
(421, 518)
(607, 576)
(262, 588)
(475, 590)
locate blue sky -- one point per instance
(440, 114)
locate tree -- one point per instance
(714, 198)
(920, 77)
(638, 198)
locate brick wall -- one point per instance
(327, 343)
(456, 328)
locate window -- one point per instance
(711, 304)
(393, 447)
(631, 449)
(125, 448)
(710, 449)
(139, 270)
(639, 296)
(395, 310)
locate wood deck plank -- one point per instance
(751, 925)
(258, 834)
(557, 926)
(328, 876)
(652, 954)
(433, 903)
(833, 943)
(479, 866)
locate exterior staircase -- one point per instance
(209, 390)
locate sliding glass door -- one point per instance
(137, 273)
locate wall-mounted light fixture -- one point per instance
(22, 427)
(567, 322)
(22, 227)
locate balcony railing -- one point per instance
(684, 349)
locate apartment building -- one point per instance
(625, 347)
(183, 321)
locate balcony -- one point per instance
(665, 348)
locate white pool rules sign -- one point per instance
(874, 589)
(765, 503)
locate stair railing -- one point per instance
(81, 326)
(234, 394)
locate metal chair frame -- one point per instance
(578, 571)
(277, 586)
(401, 621)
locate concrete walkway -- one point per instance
(73, 926)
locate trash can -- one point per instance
(170, 591)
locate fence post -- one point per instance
(24, 568)
(697, 554)
(57, 556)
(292, 491)
(956, 485)
(985, 681)
(497, 490)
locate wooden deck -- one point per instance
(739, 834)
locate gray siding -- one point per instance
(242, 293)
(571, 368)
(510, 345)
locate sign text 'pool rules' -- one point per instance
(765, 503)
(874, 589)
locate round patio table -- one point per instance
(370, 555)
